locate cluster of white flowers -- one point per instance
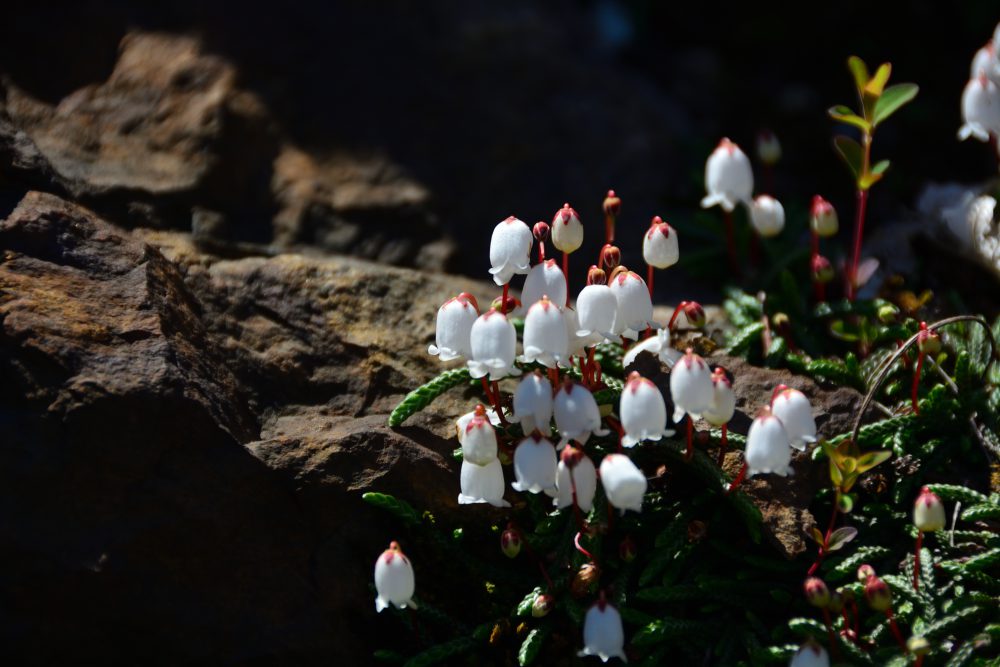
(786, 423)
(729, 181)
(981, 97)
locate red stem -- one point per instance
(673, 316)
(486, 390)
(649, 279)
(740, 476)
(916, 561)
(895, 630)
(503, 302)
(541, 251)
(916, 383)
(826, 537)
(554, 376)
(566, 274)
(723, 444)
(496, 404)
(609, 229)
(830, 636)
(734, 264)
(859, 228)
(576, 542)
(689, 453)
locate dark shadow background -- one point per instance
(517, 106)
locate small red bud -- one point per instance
(695, 314)
(822, 270)
(823, 218)
(697, 531)
(510, 542)
(928, 340)
(928, 512)
(612, 204)
(817, 594)
(501, 307)
(877, 593)
(585, 580)
(571, 456)
(865, 572)
(611, 257)
(542, 605)
(541, 231)
(596, 276)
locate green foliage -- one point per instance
(422, 396)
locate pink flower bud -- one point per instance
(596, 276)
(767, 216)
(865, 572)
(510, 542)
(611, 257)
(659, 245)
(928, 512)
(823, 217)
(509, 306)
(567, 231)
(822, 270)
(878, 594)
(612, 204)
(928, 340)
(542, 605)
(585, 580)
(541, 231)
(393, 579)
(728, 177)
(510, 250)
(694, 314)
(768, 147)
(817, 594)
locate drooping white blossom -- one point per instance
(494, 346)
(533, 403)
(566, 229)
(544, 279)
(691, 388)
(577, 415)
(792, 407)
(482, 484)
(454, 327)
(623, 482)
(394, 581)
(510, 250)
(479, 440)
(659, 245)
(723, 400)
(535, 465)
(603, 634)
(768, 449)
(596, 307)
(642, 411)
(579, 473)
(980, 109)
(728, 177)
(545, 336)
(635, 308)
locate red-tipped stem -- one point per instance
(649, 279)
(689, 452)
(826, 536)
(503, 302)
(740, 476)
(576, 543)
(673, 316)
(496, 404)
(895, 630)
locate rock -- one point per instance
(189, 437)
(172, 140)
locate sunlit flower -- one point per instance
(928, 512)
(535, 466)
(454, 327)
(691, 386)
(597, 307)
(575, 470)
(980, 109)
(723, 400)
(545, 335)
(394, 582)
(623, 482)
(482, 484)
(603, 634)
(510, 250)
(767, 216)
(728, 177)
(494, 346)
(635, 308)
(767, 449)
(642, 411)
(792, 407)
(533, 403)
(544, 279)
(479, 440)
(567, 231)
(576, 413)
(659, 245)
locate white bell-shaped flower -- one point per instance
(928, 512)
(510, 250)
(603, 634)
(535, 466)
(454, 326)
(578, 344)
(984, 62)
(394, 582)
(659, 245)
(728, 177)
(545, 278)
(658, 345)
(767, 216)
(723, 400)
(479, 440)
(635, 308)
(691, 387)
(545, 336)
(597, 308)
(768, 449)
(567, 230)
(792, 407)
(464, 420)
(980, 109)
(623, 482)
(494, 346)
(642, 411)
(576, 413)
(810, 655)
(823, 217)
(533, 403)
(579, 473)
(482, 484)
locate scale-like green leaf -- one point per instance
(892, 99)
(843, 114)
(531, 646)
(402, 509)
(421, 397)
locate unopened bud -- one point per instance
(918, 646)
(510, 542)
(501, 307)
(695, 314)
(780, 321)
(768, 147)
(621, 268)
(817, 594)
(887, 313)
(836, 603)
(585, 580)
(612, 204)
(928, 512)
(627, 550)
(823, 217)
(571, 456)
(611, 257)
(541, 231)
(596, 276)
(877, 593)
(865, 572)
(542, 605)
(928, 340)
(822, 270)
